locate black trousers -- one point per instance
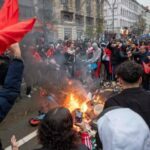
(28, 90)
(109, 75)
(146, 81)
(1, 148)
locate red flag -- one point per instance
(146, 68)
(14, 33)
(37, 56)
(9, 14)
(49, 53)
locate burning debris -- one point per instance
(73, 102)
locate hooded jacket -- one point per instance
(123, 129)
(96, 54)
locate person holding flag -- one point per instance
(11, 33)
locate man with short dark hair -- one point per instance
(129, 75)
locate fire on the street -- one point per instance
(73, 102)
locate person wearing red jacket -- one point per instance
(107, 62)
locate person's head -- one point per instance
(56, 130)
(122, 128)
(133, 46)
(118, 43)
(72, 45)
(95, 46)
(142, 49)
(103, 45)
(129, 42)
(129, 74)
(89, 44)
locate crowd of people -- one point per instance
(123, 124)
(78, 57)
(124, 117)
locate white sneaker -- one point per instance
(29, 96)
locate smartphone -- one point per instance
(78, 116)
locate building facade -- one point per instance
(126, 13)
(75, 17)
(147, 20)
(70, 18)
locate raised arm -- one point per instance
(12, 84)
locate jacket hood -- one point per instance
(123, 129)
(95, 46)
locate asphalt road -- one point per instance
(16, 122)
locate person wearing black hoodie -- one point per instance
(118, 56)
(129, 75)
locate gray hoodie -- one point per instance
(96, 54)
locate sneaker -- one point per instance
(37, 120)
(29, 96)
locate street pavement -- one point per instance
(16, 122)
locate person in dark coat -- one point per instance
(117, 57)
(133, 96)
(144, 59)
(12, 83)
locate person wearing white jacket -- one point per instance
(123, 129)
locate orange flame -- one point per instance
(74, 103)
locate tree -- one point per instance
(89, 32)
(140, 26)
(99, 26)
(100, 17)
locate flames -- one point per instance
(84, 107)
(73, 103)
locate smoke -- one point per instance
(53, 76)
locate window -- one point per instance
(64, 2)
(79, 19)
(116, 23)
(89, 21)
(115, 11)
(78, 3)
(26, 12)
(66, 16)
(105, 12)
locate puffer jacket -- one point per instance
(11, 87)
